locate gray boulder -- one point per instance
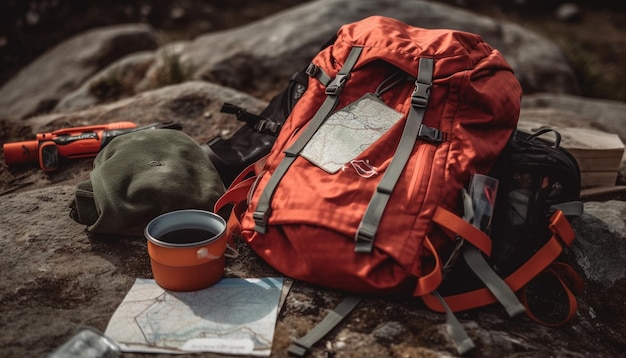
(273, 48)
(576, 111)
(115, 81)
(600, 249)
(258, 58)
(39, 86)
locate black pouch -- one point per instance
(536, 176)
(254, 140)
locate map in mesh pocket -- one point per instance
(348, 132)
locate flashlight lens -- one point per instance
(49, 157)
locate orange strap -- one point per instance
(250, 169)
(562, 235)
(452, 222)
(428, 283)
(235, 194)
(569, 281)
(239, 187)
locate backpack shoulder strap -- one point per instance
(374, 212)
(503, 293)
(301, 345)
(473, 242)
(455, 330)
(262, 211)
(562, 236)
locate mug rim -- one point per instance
(171, 221)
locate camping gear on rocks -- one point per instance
(143, 174)
(186, 249)
(366, 186)
(538, 193)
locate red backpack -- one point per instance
(362, 190)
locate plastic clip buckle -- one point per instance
(268, 127)
(335, 87)
(420, 95)
(312, 70)
(364, 241)
(260, 221)
(430, 134)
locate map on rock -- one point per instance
(234, 316)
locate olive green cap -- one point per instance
(141, 175)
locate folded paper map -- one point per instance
(234, 316)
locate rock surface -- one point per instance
(56, 277)
(604, 115)
(298, 33)
(259, 57)
(39, 86)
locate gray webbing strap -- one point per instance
(374, 212)
(300, 346)
(570, 208)
(456, 332)
(492, 281)
(262, 211)
(318, 73)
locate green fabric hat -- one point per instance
(141, 175)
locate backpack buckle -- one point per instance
(364, 240)
(312, 70)
(260, 221)
(420, 95)
(430, 134)
(268, 127)
(335, 87)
